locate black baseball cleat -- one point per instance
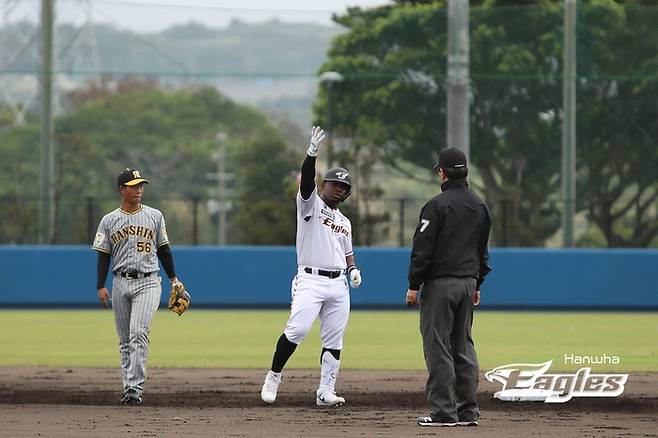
(429, 421)
(467, 423)
(131, 397)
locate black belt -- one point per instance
(134, 275)
(330, 274)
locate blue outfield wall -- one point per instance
(261, 276)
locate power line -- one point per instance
(186, 5)
(348, 75)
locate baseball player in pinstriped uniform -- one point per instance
(320, 288)
(134, 237)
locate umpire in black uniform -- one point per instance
(448, 264)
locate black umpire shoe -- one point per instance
(429, 421)
(131, 397)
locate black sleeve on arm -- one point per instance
(308, 177)
(102, 266)
(424, 244)
(484, 249)
(167, 260)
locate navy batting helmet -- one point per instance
(338, 174)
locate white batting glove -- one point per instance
(355, 277)
(317, 137)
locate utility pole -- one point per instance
(47, 164)
(458, 76)
(569, 124)
(330, 78)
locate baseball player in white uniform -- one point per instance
(134, 237)
(325, 262)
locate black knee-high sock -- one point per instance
(284, 349)
(334, 353)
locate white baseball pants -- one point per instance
(313, 296)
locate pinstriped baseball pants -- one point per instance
(134, 302)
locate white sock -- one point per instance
(328, 372)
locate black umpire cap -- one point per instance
(130, 177)
(451, 158)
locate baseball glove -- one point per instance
(179, 298)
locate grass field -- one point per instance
(374, 339)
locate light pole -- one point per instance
(458, 76)
(569, 123)
(330, 78)
(221, 179)
(47, 158)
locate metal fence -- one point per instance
(196, 221)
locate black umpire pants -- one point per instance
(446, 317)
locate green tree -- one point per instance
(394, 97)
(170, 136)
(370, 221)
(266, 170)
(19, 183)
(394, 59)
(617, 125)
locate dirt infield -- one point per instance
(219, 402)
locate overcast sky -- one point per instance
(155, 15)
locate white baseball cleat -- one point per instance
(329, 398)
(270, 387)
